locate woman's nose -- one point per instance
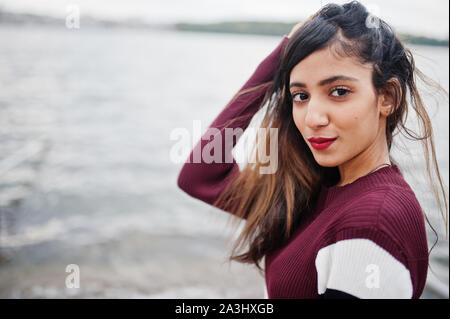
(316, 114)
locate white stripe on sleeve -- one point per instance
(363, 269)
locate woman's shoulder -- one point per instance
(382, 224)
(383, 206)
(402, 217)
(387, 213)
(382, 203)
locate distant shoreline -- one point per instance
(231, 27)
(279, 28)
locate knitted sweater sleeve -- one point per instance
(357, 264)
(204, 179)
(384, 258)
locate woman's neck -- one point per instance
(366, 162)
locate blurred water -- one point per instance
(91, 110)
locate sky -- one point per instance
(423, 17)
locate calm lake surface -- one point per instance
(85, 172)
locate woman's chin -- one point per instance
(326, 161)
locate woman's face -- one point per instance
(333, 97)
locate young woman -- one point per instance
(336, 219)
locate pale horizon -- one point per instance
(402, 15)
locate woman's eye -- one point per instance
(301, 97)
(341, 92)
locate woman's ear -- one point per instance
(389, 97)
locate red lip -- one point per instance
(321, 143)
(320, 139)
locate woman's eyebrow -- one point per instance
(326, 81)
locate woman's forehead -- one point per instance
(325, 63)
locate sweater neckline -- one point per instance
(380, 176)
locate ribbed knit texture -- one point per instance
(380, 207)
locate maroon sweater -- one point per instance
(366, 239)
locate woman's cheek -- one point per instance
(298, 118)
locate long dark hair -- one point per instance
(274, 204)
